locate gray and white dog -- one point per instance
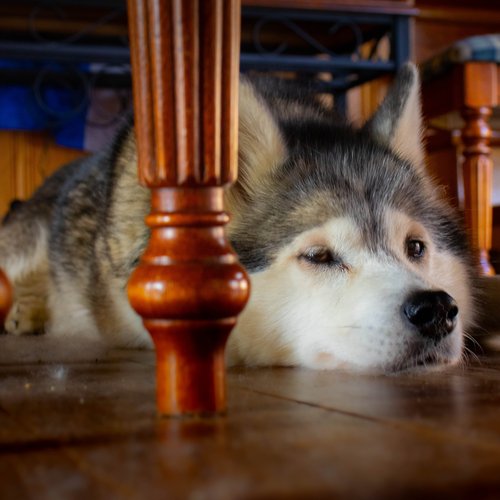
(355, 260)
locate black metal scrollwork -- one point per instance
(304, 35)
(316, 42)
(56, 70)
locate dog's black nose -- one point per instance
(433, 313)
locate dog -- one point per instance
(356, 261)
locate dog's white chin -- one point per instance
(428, 358)
(323, 361)
(259, 342)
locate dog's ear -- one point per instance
(261, 145)
(398, 121)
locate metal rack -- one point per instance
(315, 41)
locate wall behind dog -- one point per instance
(27, 159)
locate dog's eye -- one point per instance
(415, 249)
(320, 256)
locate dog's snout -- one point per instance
(433, 313)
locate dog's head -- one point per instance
(355, 260)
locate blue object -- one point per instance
(47, 104)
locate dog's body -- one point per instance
(353, 256)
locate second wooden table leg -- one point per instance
(478, 182)
(5, 298)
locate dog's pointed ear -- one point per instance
(398, 121)
(261, 146)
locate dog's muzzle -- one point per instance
(434, 314)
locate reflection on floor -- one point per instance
(89, 430)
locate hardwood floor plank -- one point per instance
(89, 430)
(305, 451)
(458, 403)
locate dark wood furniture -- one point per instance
(472, 89)
(189, 286)
(5, 297)
(439, 24)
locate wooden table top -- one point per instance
(89, 430)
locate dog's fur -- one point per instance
(308, 187)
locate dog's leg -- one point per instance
(29, 314)
(23, 257)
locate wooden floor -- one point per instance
(89, 431)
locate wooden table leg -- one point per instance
(189, 286)
(478, 95)
(478, 182)
(5, 298)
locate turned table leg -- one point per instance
(478, 181)
(5, 298)
(189, 287)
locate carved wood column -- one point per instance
(189, 286)
(478, 182)
(478, 95)
(5, 298)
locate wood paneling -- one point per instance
(26, 159)
(442, 165)
(364, 100)
(439, 23)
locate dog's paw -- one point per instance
(24, 320)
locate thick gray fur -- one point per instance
(92, 211)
